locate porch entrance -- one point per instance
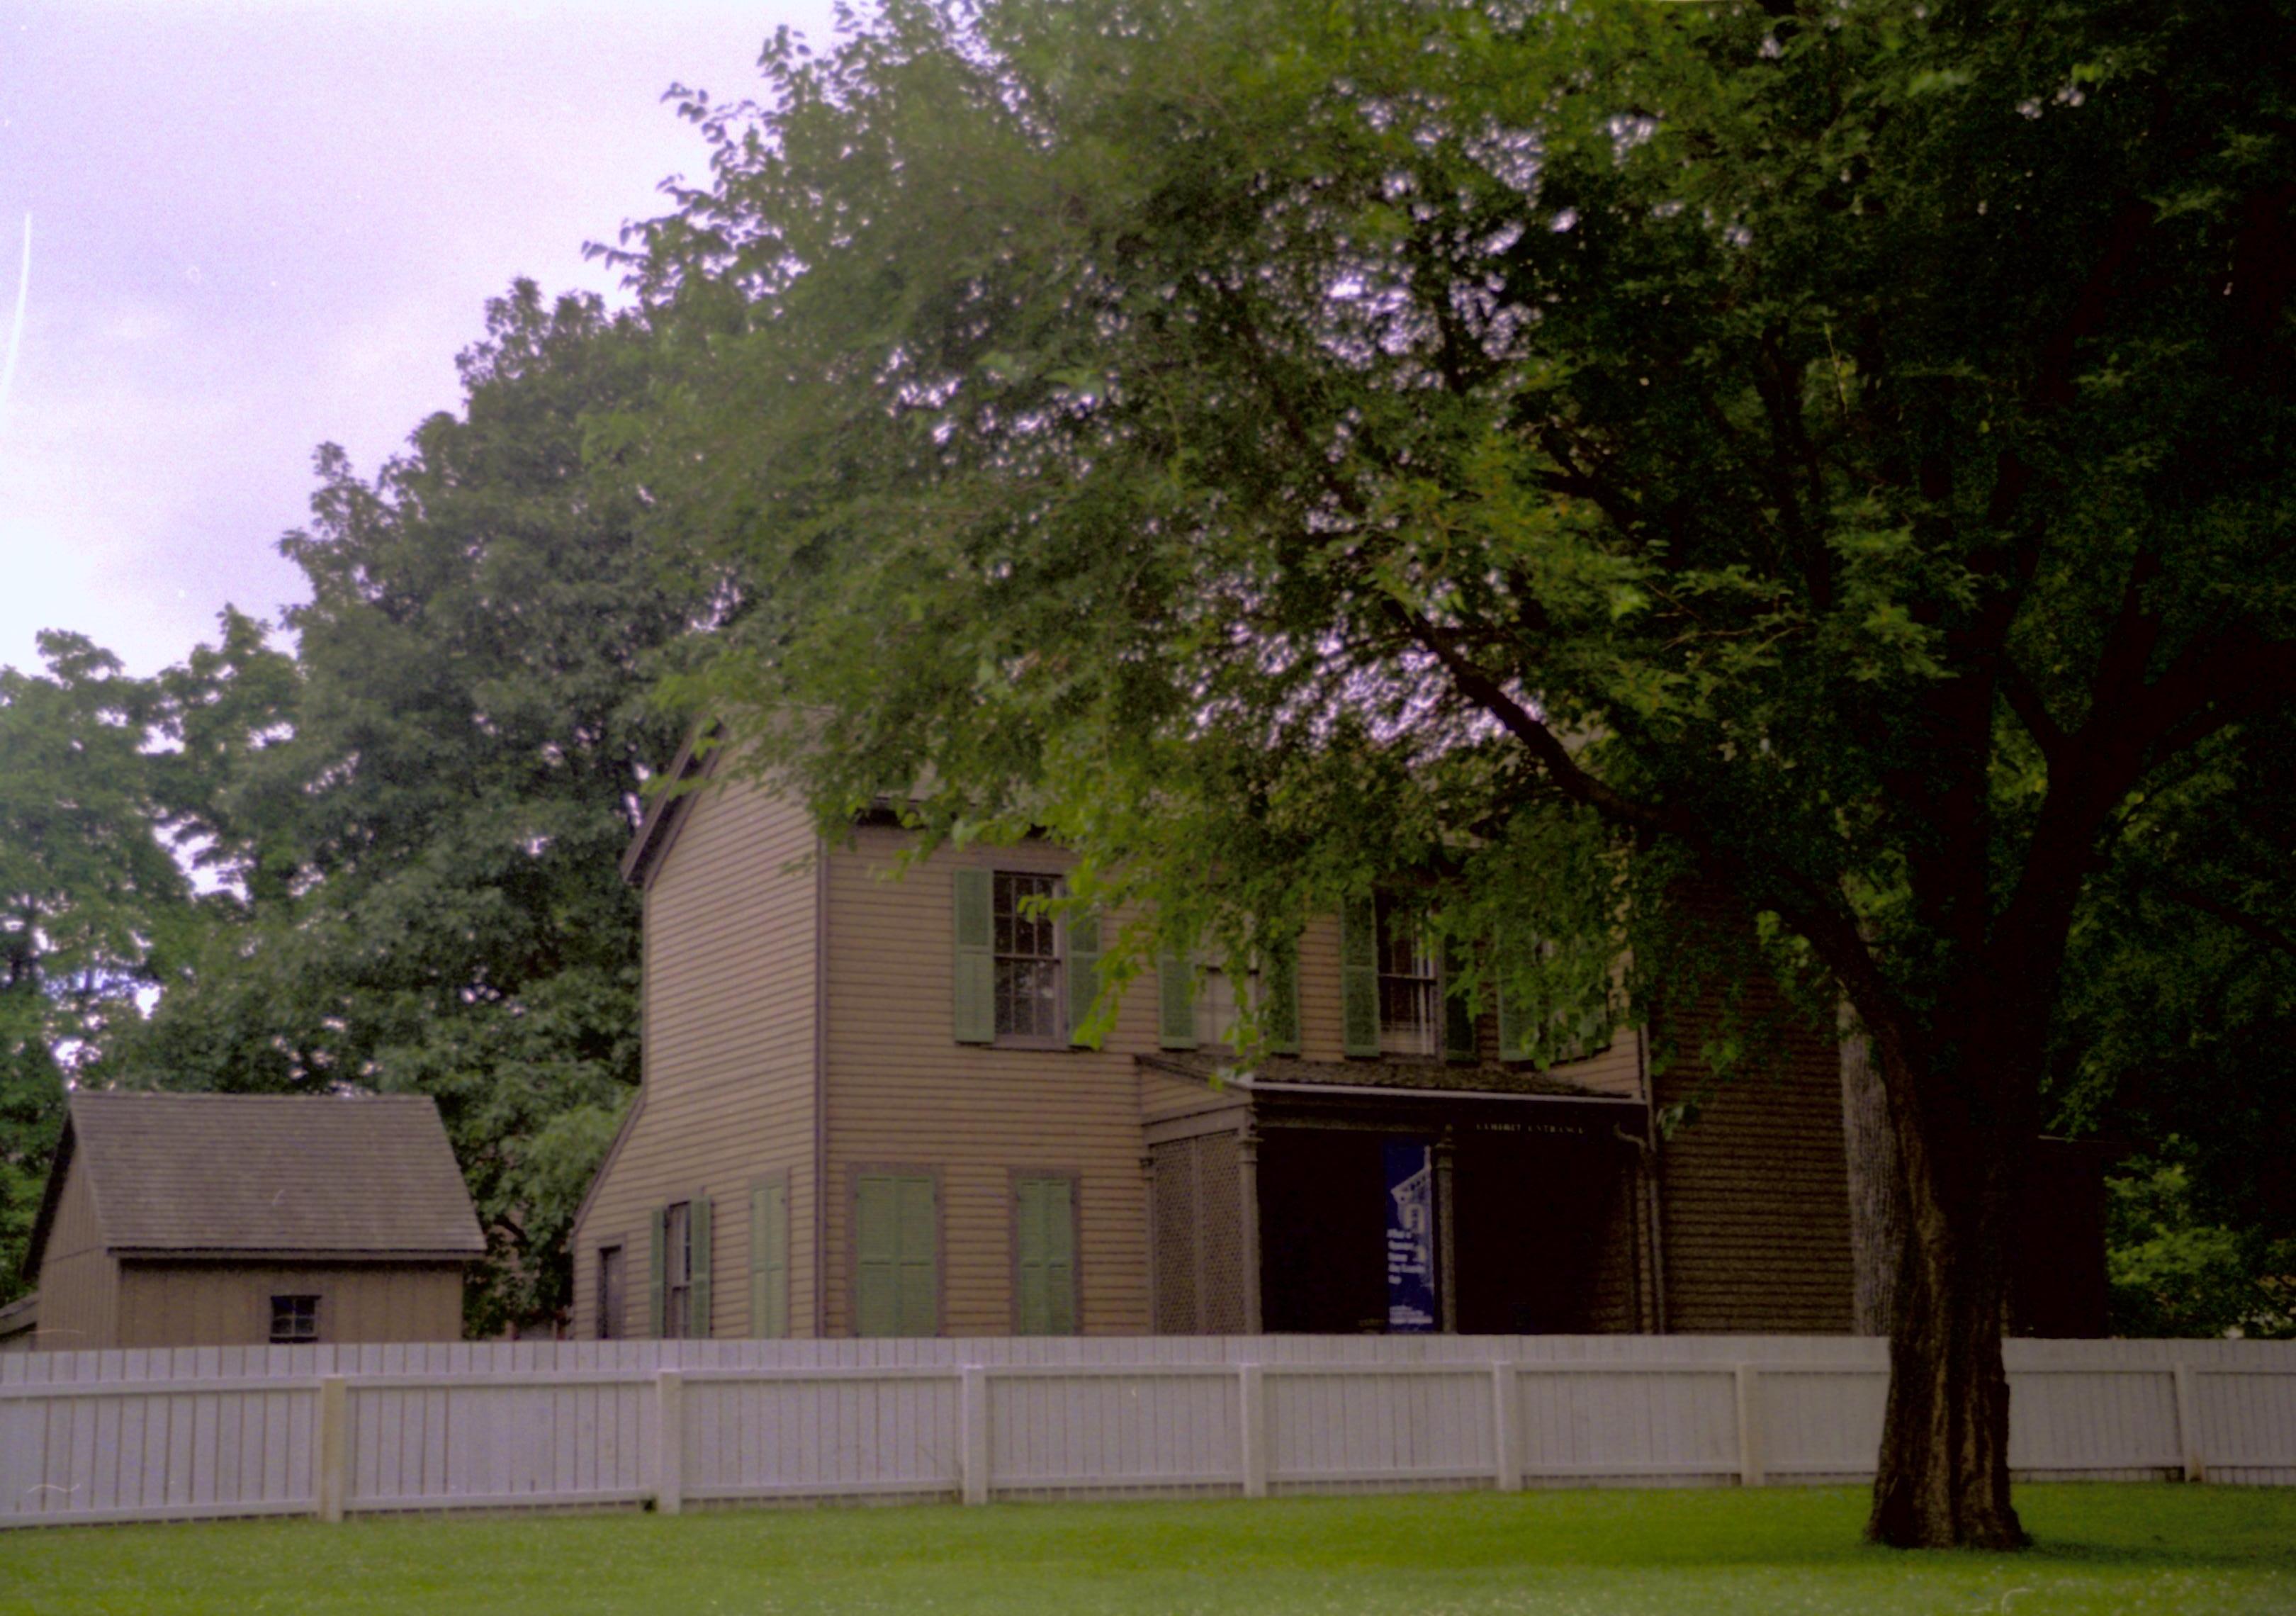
(1541, 1236)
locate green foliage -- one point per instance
(92, 906)
(1844, 452)
(2174, 1273)
(2180, 1006)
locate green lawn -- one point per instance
(2102, 1548)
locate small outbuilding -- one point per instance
(184, 1220)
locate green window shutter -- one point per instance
(699, 1324)
(1515, 1027)
(657, 1272)
(1083, 972)
(1176, 1002)
(769, 1261)
(976, 961)
(876, 1242)
(920, 1242)
(1459, 1043)
(1045, 1230)
(1279, 980)
(896, 1255)
(1359, 978)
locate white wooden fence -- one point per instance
(164, 1435)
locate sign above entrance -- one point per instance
(1410, 1177)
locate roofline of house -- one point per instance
(605, 1165)
(667, 812)
(1244, 1081)
(1397, 1092)
(343, 1254)
(44, 1220)
(20, 1315)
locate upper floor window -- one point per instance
(1409, 987)
(1221, 996)
(1027, 951)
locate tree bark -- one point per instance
(1942, 1480)
(1877, 1220)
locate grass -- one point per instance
(2101, 1548)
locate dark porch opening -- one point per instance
(1542, 1236)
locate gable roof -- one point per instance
(667, 812)
(217, 1175)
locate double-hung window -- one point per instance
(1221, 997)
(677, 1270)
(1409, 982)
(1027, 958)
(611, 1300)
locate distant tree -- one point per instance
(418, 831)
(1840, 456)
(91, 902)
(2179, 1012)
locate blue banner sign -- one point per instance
(1410, 1236)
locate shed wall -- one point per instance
(730, 983)
(79, 1280)
(226, 1304)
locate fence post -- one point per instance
(972, 1432)
(1251, 1408)
(2188, 1430)
(1750, 1427)
(333, 1461)
(669, 1442)
(1507, 1408)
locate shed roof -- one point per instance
(369, 1176)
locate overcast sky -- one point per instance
(261, 226)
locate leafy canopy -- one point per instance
(1842, 452)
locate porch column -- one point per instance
(1446, 1265)
(1247, 1190)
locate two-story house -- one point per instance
(865, 1112)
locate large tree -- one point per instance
(416, 826)
(93, 907)
(1838, 456)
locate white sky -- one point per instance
(261, 226)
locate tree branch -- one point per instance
(2025, 700)
(2239, 919)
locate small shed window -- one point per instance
(294, 1318)
(610, 1293)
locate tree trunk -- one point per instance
(1877, 1221)
(1943, 1476)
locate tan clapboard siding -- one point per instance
(1756, 1195)
(903, 1093)
(223, 1304)
(79, 1280)
(729, 1004)
(1617, 1070)
(1319, 990)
